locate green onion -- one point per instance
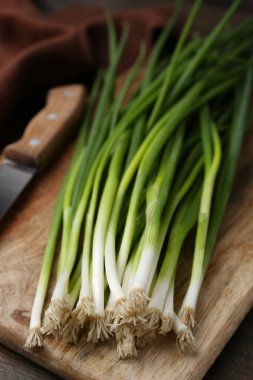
(228, 168)
(151, 166)
(98, 328)
(212, 158)
(183, 222)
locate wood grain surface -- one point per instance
(235, 362)
(14, 366)
(227, 288)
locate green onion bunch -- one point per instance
(153, 164)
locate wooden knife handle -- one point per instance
(49, 129)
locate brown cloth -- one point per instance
(39, 52)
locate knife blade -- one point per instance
(43, 137)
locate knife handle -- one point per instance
(49, 129)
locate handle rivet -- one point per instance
(52, 116)
(67, 93)
(34, 142)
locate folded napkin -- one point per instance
(39, 52)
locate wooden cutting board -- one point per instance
(226, 296)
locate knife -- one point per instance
(42, 138)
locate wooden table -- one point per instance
(236, 360)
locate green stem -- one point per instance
(228, 168)
(172, 66)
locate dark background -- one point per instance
(50, 5)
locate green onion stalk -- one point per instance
(205, 239)
(124, 336)
(125, 332)
(98, 328)
(228, 168)
(185, 339)
(84, 307)
(173, 63)
(207, 44)
(212, 158)
(35, 336)
(183, 222)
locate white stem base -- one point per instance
(185, 339)
(125, 342)
(98, 330)
(188, 307)
(118, 314)
(159, 294)
(167, 323)
(56, 316)
(168, 311)
(142, 275)
(135, 306)
(114, 281)
(147, 331)
(78, 318)
(169, 303)
(34, 338)
(35, 322)
(97, 279)
(61, 287)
